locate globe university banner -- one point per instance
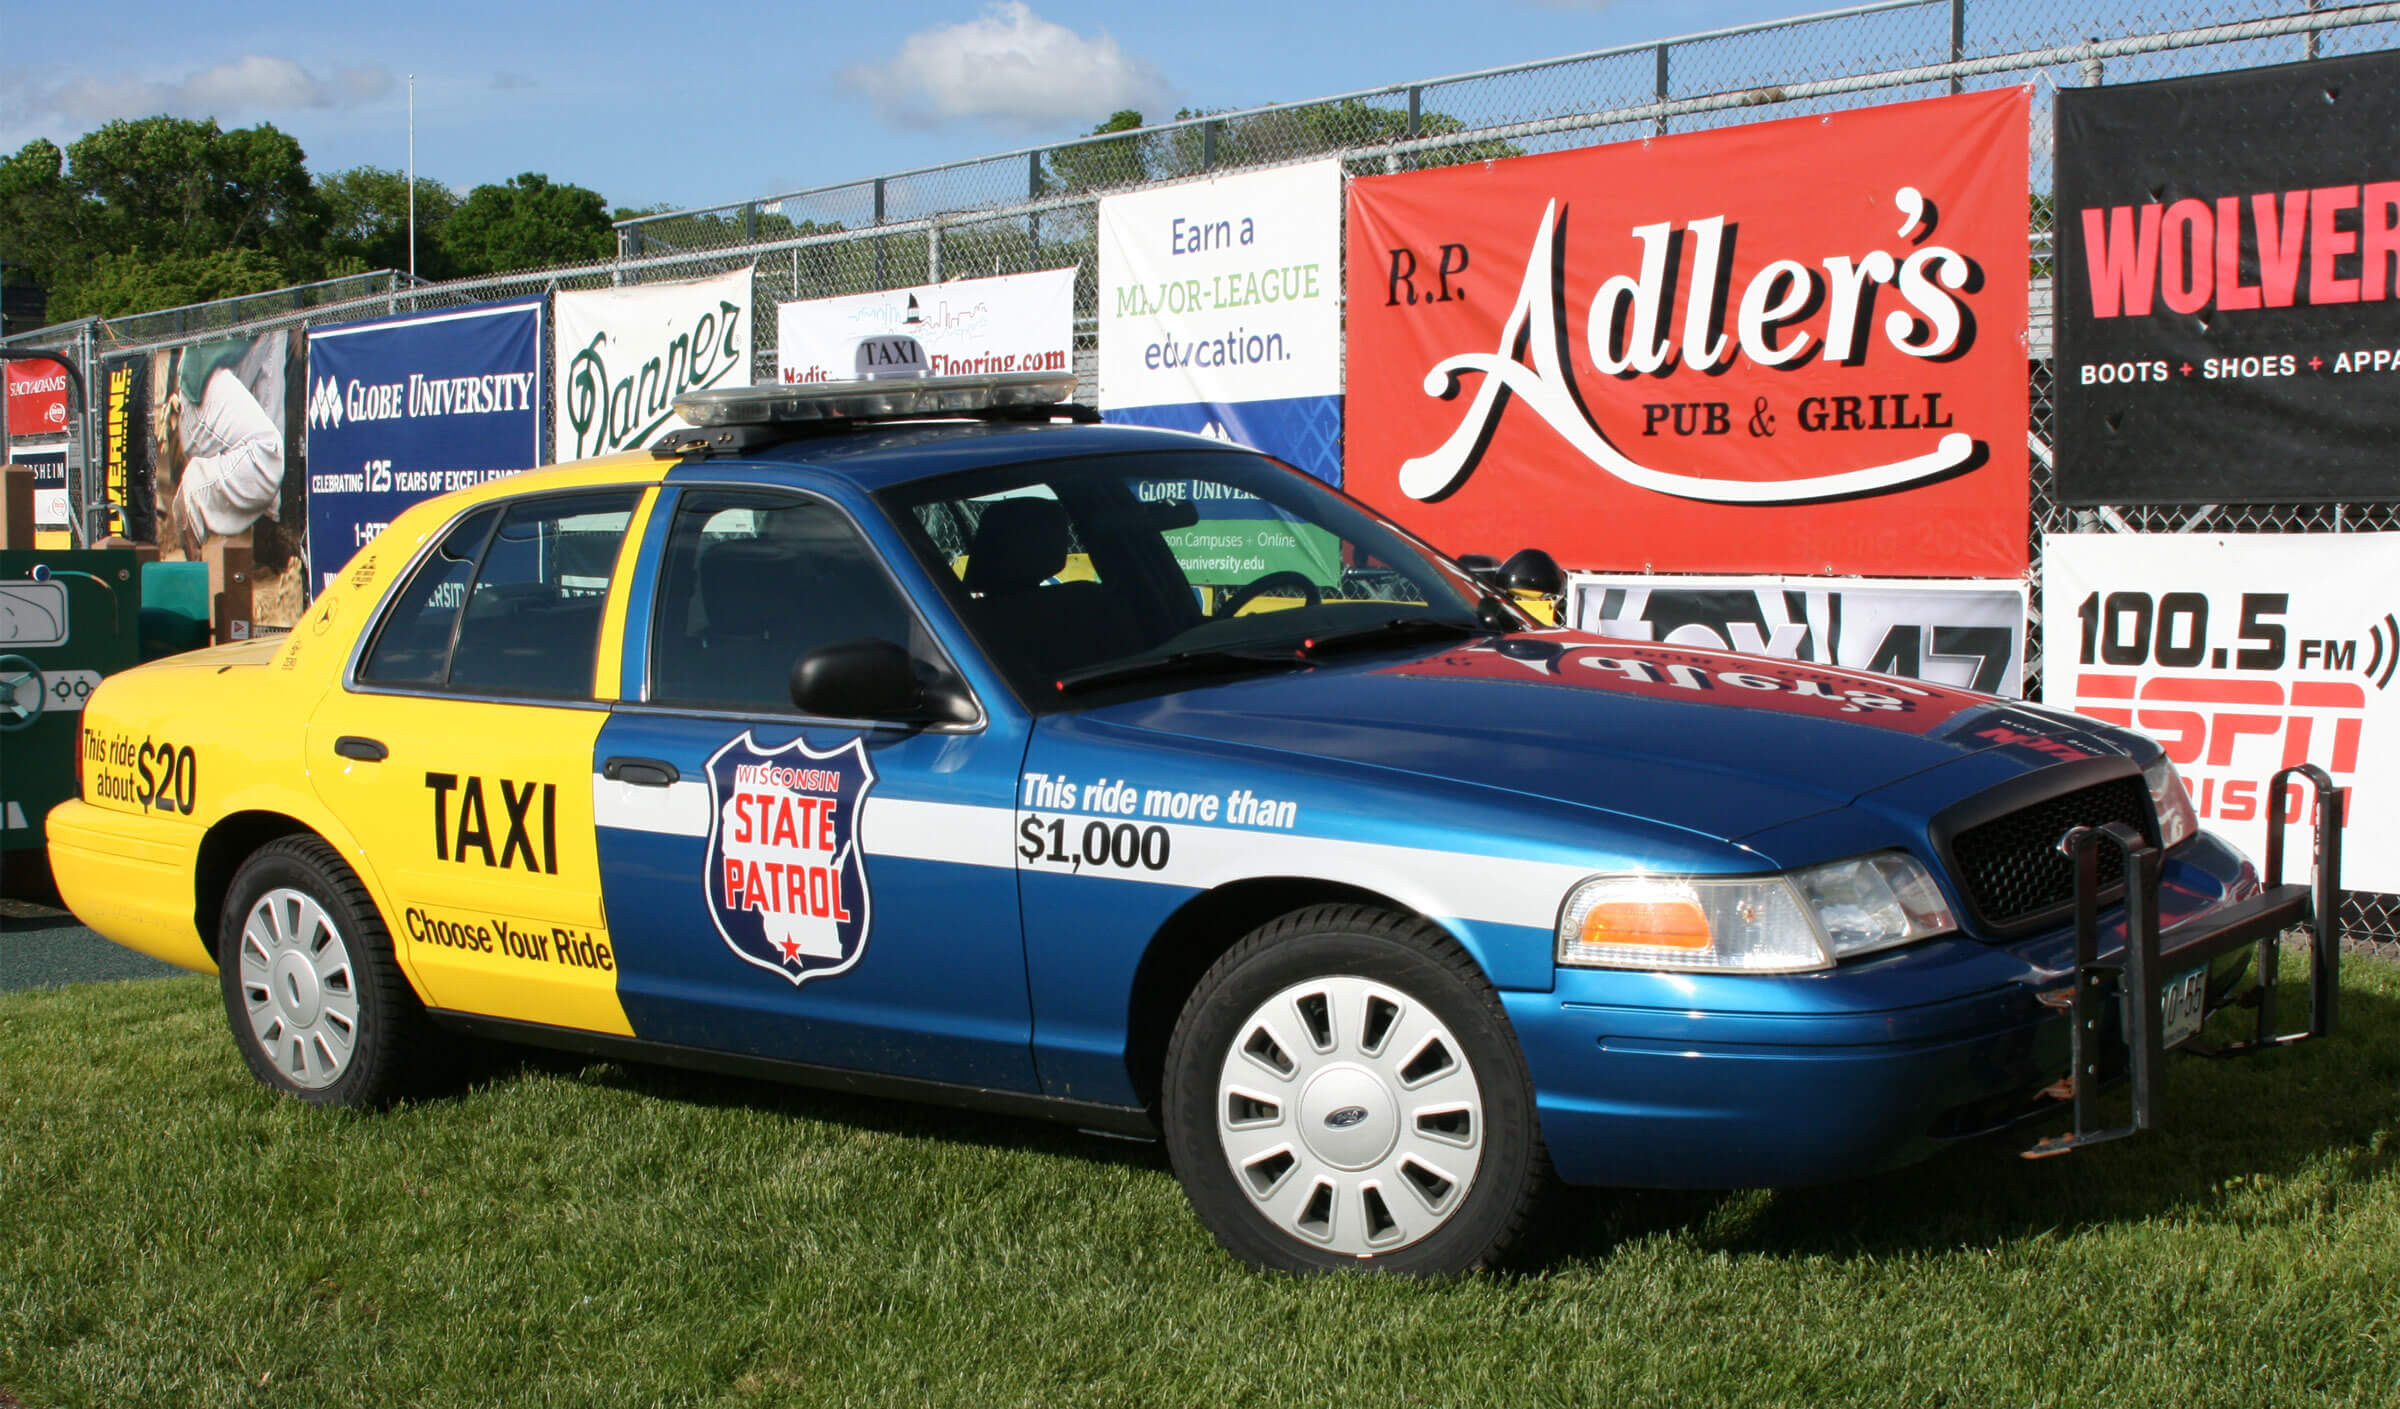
(1220, 312)
(402, 409)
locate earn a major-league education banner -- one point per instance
(1970, 635)
(401, 409)
(2242, 653)
(2229, 286)
(1791, 346)
(624, 355)
(968, 327)
(1219, 311)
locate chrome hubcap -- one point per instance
(1350, 1116)
(298, 988)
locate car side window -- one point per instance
(513, 609)
(751, 581)
(413, 648)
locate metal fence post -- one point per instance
(1958, 40)
(1033, 192)
(1208, 146)
(879, 238)
(1660, 89)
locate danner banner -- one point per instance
(624, 355)
(1792, 346)
(2229, 286)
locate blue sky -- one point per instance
(712, 102)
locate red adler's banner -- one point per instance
(1791, 346)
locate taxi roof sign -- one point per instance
(882, 399)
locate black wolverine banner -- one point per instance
(2229, 287)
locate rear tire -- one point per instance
(314, 995)
(1343, 1089)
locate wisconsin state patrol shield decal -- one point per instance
(787, 877)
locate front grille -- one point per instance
(2011, 867)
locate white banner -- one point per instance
(968, 327)
(624, 355)
(2242, 653)
(1220, 311)
(1965, 634)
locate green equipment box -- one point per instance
(67, 619)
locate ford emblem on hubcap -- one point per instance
(1346, 1117)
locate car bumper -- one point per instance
(130, 878)
(1707, 1081)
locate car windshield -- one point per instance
(1091, 576)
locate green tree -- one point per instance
(156, 206)
(38, 216)
(527, 223)
(366, 222)
(169, 185)
(145, 283)
(1093, 166)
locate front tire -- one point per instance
(312, 991)
(1344, 1090)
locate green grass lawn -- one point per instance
(564, 1234)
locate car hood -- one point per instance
(1713, 742)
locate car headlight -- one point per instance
(2176, 820)
(1790, 923)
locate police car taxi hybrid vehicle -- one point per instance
(899, 738)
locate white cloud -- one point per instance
(1012, 66)
(252, 83)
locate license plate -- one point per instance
(2180, 1006)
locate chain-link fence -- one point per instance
(1037, 207)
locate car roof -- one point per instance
(876, 457)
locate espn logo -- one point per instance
(2202, 722)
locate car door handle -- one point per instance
(363, 749)
(641, 772)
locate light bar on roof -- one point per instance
(885, 399)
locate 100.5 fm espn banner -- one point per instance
(2242, 654)
(1789, 346)
(2229, 287)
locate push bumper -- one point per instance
(2129, 988)
(1816, 1078)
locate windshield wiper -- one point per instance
(1398, 628)
(1217, 660)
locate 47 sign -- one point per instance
(2241, 655)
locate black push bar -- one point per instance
(2133, 982)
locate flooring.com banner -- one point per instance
(2242, 653)
(1966, 634)
(1218, 311)
(1790, 346)
(1009, 323)
(2229, 286)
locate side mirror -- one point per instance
(1532, 570)
(871, 678)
